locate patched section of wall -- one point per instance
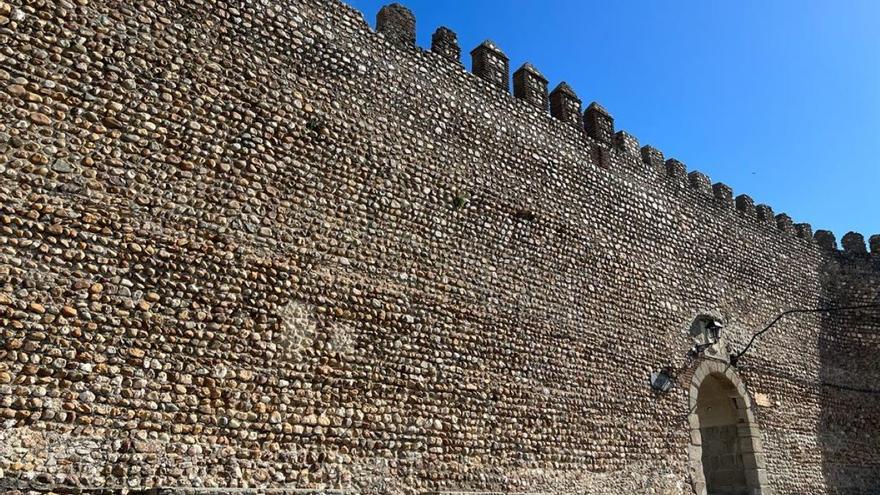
(298, 332)
(341, 339)
(38, 458)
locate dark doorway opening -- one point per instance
(722, 456)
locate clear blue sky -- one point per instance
(780, 99)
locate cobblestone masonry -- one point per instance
(258, 244)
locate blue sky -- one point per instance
(780, 99)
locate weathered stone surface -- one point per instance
(444, 41)
(62, 166)
(40, 118)
(256, 244)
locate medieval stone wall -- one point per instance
(848, 348)
(257, 244)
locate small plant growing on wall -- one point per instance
(524, 214)
(459, 201)
(316, 125)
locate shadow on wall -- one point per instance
(849, 350)
(722, 454)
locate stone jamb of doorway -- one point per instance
(749, 436)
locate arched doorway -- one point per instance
(726, 452)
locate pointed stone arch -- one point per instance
(719, 381)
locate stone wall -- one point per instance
(259, 245)
(848, 347)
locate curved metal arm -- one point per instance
(735, 357)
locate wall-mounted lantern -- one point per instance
(713, 331)
(661, 381)
(706, 332)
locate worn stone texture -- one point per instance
(257, 244)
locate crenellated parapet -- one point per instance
(854, 243)
(723, 193)
(653, 159)
(531, 86)
(699, 181)
(340, 255)
(765, 214)
(398, 24)
(490, 64)
(565, 104)
(784, 223)
(444, 42)
(804, 230)
(675, 169)
(746, 205)
(826, 240)
(599, 123)
(627, 143)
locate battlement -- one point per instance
(596, 124)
